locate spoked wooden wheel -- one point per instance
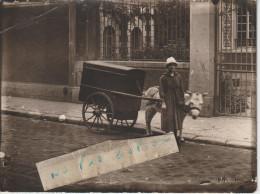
(98, 111)
(124, 123)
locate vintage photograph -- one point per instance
(128, 96)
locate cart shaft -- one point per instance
(125, 94)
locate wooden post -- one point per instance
(72, 42)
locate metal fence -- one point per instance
(150, 30)
(236, 58)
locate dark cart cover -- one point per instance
(105, 77)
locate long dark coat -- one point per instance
(171, 90)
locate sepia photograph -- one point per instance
(128, 96)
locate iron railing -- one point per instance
(150, 30)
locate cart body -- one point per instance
(114, 81)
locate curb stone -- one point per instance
(77, 121)
(236, 143)
(189, 136)
(213, 140)
(36, 115)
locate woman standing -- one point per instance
(171, 91)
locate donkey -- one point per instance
(193, 104)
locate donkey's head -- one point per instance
(194, 102)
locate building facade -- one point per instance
(215, 45)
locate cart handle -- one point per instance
(125, 94)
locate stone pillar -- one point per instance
(129, 30)
(118, 34)
(202, 52)
(152, 27)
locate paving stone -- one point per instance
(28, 141)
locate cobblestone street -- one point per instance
(197, 167)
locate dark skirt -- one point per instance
(172, 117)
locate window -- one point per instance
(236, 82)
(109, 40)
(137, 40)
(246, 32)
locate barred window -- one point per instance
(147, 30)
(109, 39)
(246, 32)
(136, 39)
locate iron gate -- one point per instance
(236, 58)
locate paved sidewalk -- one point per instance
(229, 131)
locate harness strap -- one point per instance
(196, 108)
(187, 108)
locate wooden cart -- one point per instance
(111, 94)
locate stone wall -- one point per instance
(38, 91)
(36, 50)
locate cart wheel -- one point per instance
(125, 123)
(98, 111)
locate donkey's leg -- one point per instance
(181, 139)
(149, 114)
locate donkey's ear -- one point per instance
(204, 94)
(188, 92)
(186, 95)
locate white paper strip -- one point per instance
(103, 158)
